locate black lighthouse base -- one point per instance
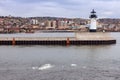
(92, 30)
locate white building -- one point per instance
(34, 21)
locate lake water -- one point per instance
(60, 62)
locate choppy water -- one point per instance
(61, 62)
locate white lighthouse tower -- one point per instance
(93, 25)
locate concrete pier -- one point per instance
(79, 39)
(94, 36)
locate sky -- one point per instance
(60, 8)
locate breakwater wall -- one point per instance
(56, 42)
(79, 39)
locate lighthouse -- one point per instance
(93, 25)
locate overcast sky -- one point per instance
(60, 8)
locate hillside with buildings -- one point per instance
(9, 24)
(111, 25)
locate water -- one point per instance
(60, 62)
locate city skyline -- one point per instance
(56, 8)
